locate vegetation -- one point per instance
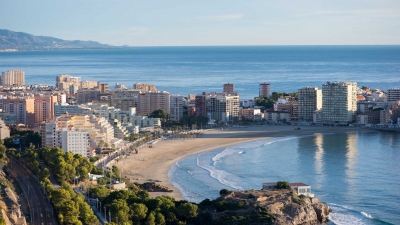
(282, 185)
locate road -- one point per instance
(41, 210)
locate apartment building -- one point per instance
(176, 107)
(44, 108)
(277, 116)
(145, 87)
(228, 89)
(393, 94)
(88, 84)
(222, 107)
(88, 95)
(252, 114)
(13, 77)
(125, 99)
(264, 90)
(23, 109)
(64, 81)
(70, 109)
(75, 141)
(339, 102)
(309, 100)
(150, 101)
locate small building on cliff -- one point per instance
(301, 188)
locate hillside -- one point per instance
(277, 207)
(24, 41)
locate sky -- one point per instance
(208, 22)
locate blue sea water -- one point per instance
(184, 70)
(356, 173)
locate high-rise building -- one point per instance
(222, 107)
(339, 102)
(200, 105)
(150, 101)
(125, 99)
(228, 88)
(44, 108)
(393, 94)
(64, 81)
(264, 90)
(176, 107)
(13, 77)
(23, 109)
(310, 99)
(75, 141)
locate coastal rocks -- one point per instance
(275, 207)
(153, 187)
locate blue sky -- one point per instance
(206, 22)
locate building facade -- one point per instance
(264, 90)
(339, 102)
(310, 99)
(12, 77)
(393, 94)
(176, 107)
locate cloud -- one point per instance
(223, 17)
(365, 12)
(137, 31)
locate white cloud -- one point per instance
(137, 31)
(223, 17)
(366, 12)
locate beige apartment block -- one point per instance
(150, 101)
(12, 77)
(125, 99)
(88, 84)
(339, 102)
(23, 109)
(310, 99)
(64, 81)
(44, 108)
(145, 87)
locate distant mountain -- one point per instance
(24, 41)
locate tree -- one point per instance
(139, 211)
(159, 113)
(119, 208)
(187, 210)
(151, 220)
(99, 192)
(282, 185)
(202, 120)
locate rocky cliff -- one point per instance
(265, 207)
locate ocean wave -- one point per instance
(219, 175)
(367, 215)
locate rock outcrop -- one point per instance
(266, 207)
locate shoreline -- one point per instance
(153, 164)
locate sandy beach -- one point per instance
(153, 164)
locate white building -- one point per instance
(339, 102)
(222, 107)
(176, 107)
(76, 142)
(67, 108)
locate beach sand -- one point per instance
(153, 164)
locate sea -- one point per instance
(193, 70)
(356, 173)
